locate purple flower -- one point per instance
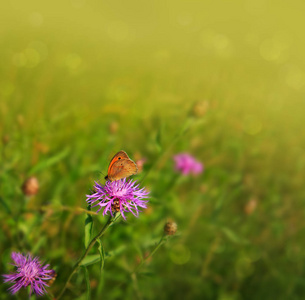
(120, 195)
(29, 271)
(186, 164)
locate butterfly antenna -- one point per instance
(102, 173)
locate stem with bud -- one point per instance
(110, 221)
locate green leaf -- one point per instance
(42, 240)
(102, 254)
(88, 289)
(5, 205)
(115, 252)
(159, 139)
(147, 274)
(49, 161)
(95, 258)
(88, 228)
(232, 236)
(138, 250)
(186, 126)
(90, 260)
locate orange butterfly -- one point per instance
(121, 166)
(51, 281)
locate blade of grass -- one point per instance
(88, 227)
(88, 289)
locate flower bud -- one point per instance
(5, 139)
(250, 206)
(113, 127)
(20, 120)
(200, 108)
(170, 228)
(203, 188)
(31, 186)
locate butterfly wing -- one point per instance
(121, 168)
(121, 154)
(118, 156)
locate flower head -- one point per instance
(200, 108)
(29, 271)
(120, 195)
(186, 164)
(31, 186)
(170, 228)
(140, 163)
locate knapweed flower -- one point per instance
(140, 163)
(186, 164)
(120, 195)
(29, 271)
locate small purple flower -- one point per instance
(120, 195)
(29, 271)
(186, 164)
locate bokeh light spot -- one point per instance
(41, 48)
(295, 77)
(276, 49)
(221, 42)
(243, 267)
(294, 253)
(252, 38)
(252, 124)
(180, 254)
(119, 31)
(162, 56)
(255, 7)
(36, 19)
(19, 59)
(254, 254)
(269, 50)
(32, 57)
(73, 61)
(216, 43)
(185, 20)
(78, 3)
(35, 53)
(7, 88)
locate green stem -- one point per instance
(161, 242)
(110, 221)
(50, 295)
(185, 126)
(134, 273)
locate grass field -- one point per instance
(223, 81)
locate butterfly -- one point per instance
(121, 166)
(52, 279)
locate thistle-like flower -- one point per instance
(120, 195)
(186, 164)
(29, 271)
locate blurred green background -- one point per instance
(222, 80)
